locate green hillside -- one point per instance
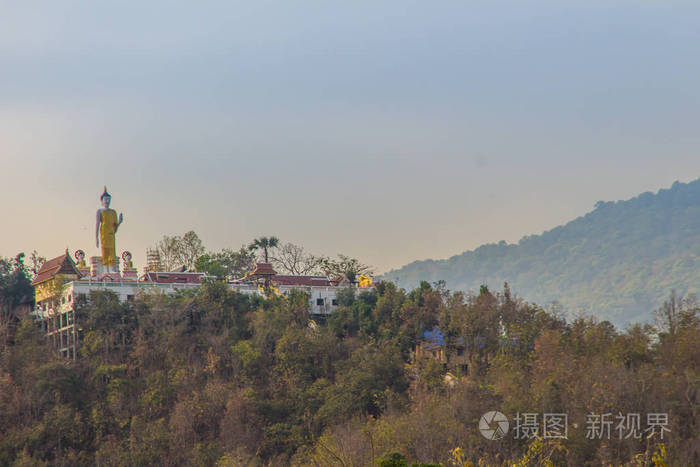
(618, 262)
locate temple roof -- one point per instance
(302, 280)
(264, 269)
(60, 265)
(173, 277)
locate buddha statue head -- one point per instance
(106, 199)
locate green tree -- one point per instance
(265, 244)
(293, 259)
(227, 263)
(180, 251)
(15, 289)
(366, 382)
(209, 376)
(191, 248)
(344, 267)
(168, 249)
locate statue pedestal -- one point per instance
(130, 274)
(109, 276)
(97, 268)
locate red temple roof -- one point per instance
(173, 277)
(60, 265)
(264, 269)
(302, 280)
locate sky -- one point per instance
(390, 131)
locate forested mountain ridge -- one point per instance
(618, 262)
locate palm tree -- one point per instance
(264, 243)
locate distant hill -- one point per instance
(618, 262)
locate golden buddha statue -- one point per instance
(105, 232)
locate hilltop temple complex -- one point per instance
(61, 280)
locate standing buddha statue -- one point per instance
(105, 232)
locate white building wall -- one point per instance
(322, 299)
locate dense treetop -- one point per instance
(215, 377)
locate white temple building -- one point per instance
(61, 280)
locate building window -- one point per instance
(129, 298)
(334, 302)
(319, 301)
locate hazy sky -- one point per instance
(387, 130)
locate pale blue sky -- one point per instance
(390, 131)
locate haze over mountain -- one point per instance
(618, 262)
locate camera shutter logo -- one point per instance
(493, 425)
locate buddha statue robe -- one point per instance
(108, 228)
